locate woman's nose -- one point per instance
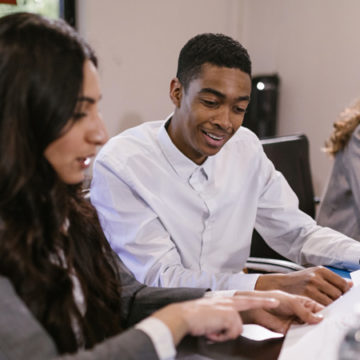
(98, 135)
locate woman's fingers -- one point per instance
(219, 319)
(307, 310)
(245, 302)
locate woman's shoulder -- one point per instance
(5, 287)
(23, 337)
(7, 290)
(9, 299)
(356, 134)
(353, 146)
(20, 332)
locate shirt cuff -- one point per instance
(243, 282)
(217, 293)
(160, 336)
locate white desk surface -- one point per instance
(322, 341)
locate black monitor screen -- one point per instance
(51, 8)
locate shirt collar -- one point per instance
(181, 164)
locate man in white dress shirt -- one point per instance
(179, 198)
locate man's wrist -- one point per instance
(269, 282)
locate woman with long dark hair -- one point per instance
(62, 289)
(340, 206)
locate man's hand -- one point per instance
(291, 309)
(318, 283)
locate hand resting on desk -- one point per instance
(221, 318)
(318, 283)
(291, 309)
(216, 318)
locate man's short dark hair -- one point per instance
(215, 49)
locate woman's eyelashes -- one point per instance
(79, 115)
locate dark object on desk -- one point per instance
(240, 348)
(261, 114)
(290, 156)
(262, 265)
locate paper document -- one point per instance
(259, 333)
(322, 341)
(355, 277)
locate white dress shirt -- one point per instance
(175, 223)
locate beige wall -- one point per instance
(138, 42)
(312, 44)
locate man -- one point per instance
(179, 198)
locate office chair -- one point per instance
(290, 156)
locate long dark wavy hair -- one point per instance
(48, 230)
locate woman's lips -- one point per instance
(85, 162)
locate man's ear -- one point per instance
(176, 90)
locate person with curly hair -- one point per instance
(340, 206)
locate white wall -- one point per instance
(314, 46)
(138, 42)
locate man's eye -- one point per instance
(239, 110)
(209, 103)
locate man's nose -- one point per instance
(223, 119)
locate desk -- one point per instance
(192, 348)
(300, 340)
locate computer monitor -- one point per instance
(65, 9)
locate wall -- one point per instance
(138, 43)
(314, 46)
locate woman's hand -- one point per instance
(291, 309)
(216, 318)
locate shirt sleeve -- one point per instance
(296, 235)
(160, 335)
